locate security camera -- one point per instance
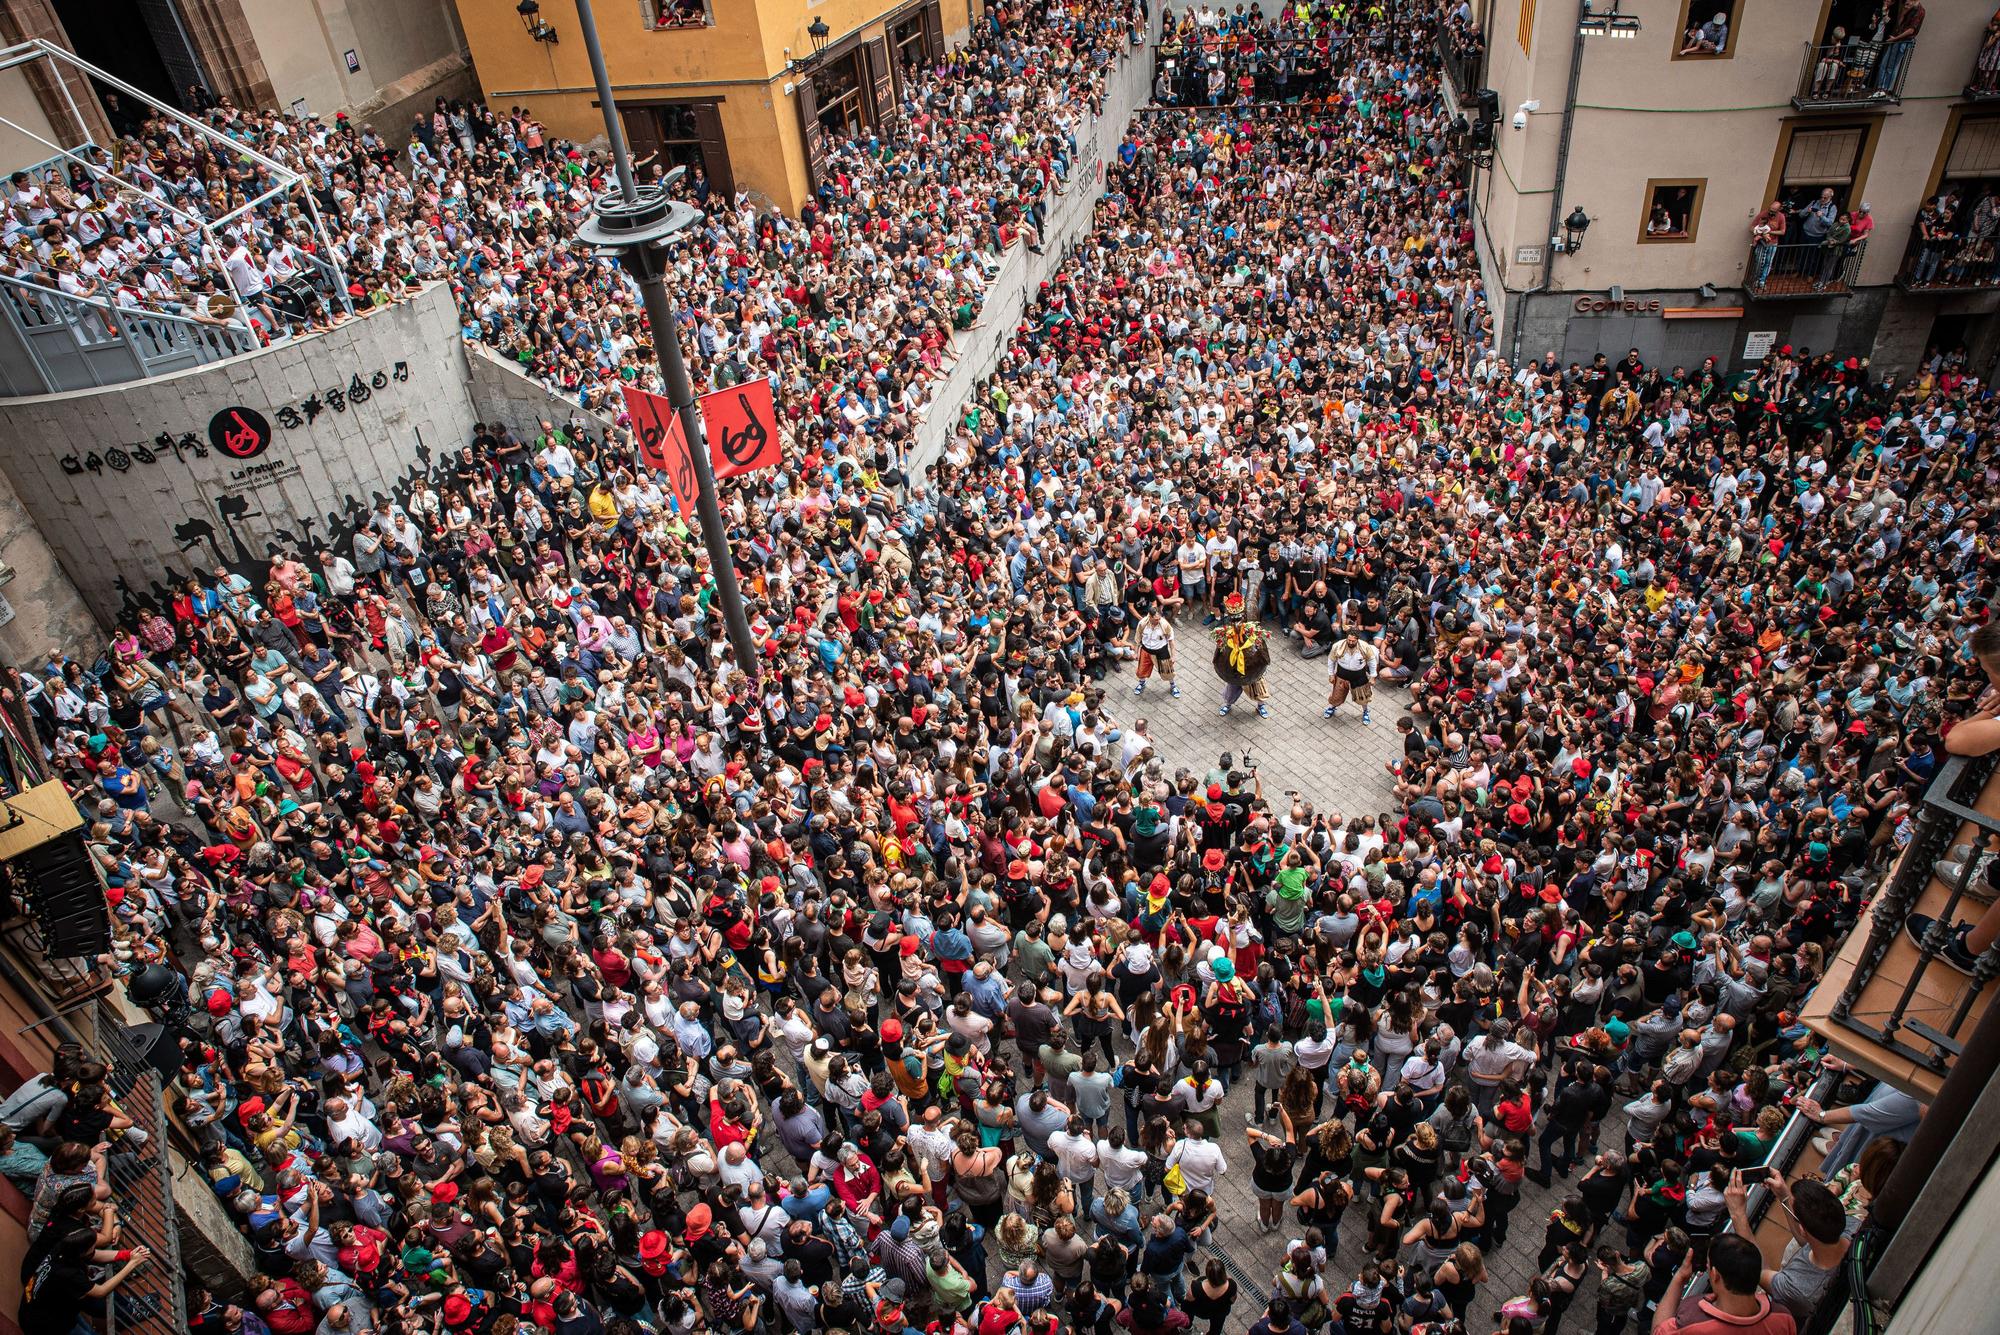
(1521, 113)
(1520, 120)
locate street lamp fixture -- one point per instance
(531, 19)
(819, 32)
(1593, 22)
(1574, 227)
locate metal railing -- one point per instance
(1783, 1156)
(1950, 263)
(1804, 268)
(1463, 62)
(154, 1298)
(1946, 808)
(51, 341)
(1837, 75)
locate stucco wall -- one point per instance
(304, 45)
(121, 525)
(30, 141)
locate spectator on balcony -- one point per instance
(1901, 39)
(1707, 39)
(1986, 66)
(1767, 230)
(1933, 242)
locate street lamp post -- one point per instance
(638, 224)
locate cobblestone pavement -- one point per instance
(1338, 765)
(1335, 763)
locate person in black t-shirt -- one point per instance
(57, 1283)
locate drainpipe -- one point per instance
(1562, 177)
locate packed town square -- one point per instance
(1293, 821)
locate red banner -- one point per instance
(742, 426)
(663, 444)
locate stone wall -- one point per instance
(223, 465)
(979, 349)
(501, 393)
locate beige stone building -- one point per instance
(1669, 126)
(376, 59)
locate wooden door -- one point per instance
(881, 71)
(642, 135)
(811, 134)
(715, 152)
(934, 30)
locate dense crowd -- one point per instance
(850, 306)
(551, 972)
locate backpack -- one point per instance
(1271, 1006)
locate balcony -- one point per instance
(1890, 1004)
(1852, 75)
(1984, 84)
(1463, 56)
(1947, 264)
(1801, 271)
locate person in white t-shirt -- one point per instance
(1350, 671)
(1156, 652)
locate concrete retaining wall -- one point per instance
(979, 349)
(134, 485)
(501, 393)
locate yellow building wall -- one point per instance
(739, 62)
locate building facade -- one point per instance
(748, 90)
(371, 58)
(1671, 126)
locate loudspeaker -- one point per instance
(151, 1046)
(1488, 103)
(1481, 136)
(58, 883)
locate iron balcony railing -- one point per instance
(51, 341)
(1946, 809)
(1954, 262)
(154, 1298)
(1844, 75)
(1464, 59)
(1804, 268)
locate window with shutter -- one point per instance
(1824, 157)
(1975, 150)
(934, 30)
(714, 149)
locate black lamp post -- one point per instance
(1574, 227)
(639, 224)
(819, 32)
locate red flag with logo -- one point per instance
(742, 426)
(663, 444)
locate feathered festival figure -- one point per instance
(1242, 653)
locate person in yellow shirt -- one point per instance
(603, 506)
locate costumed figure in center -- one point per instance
(1242, 654)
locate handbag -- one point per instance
(1175, 1181)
